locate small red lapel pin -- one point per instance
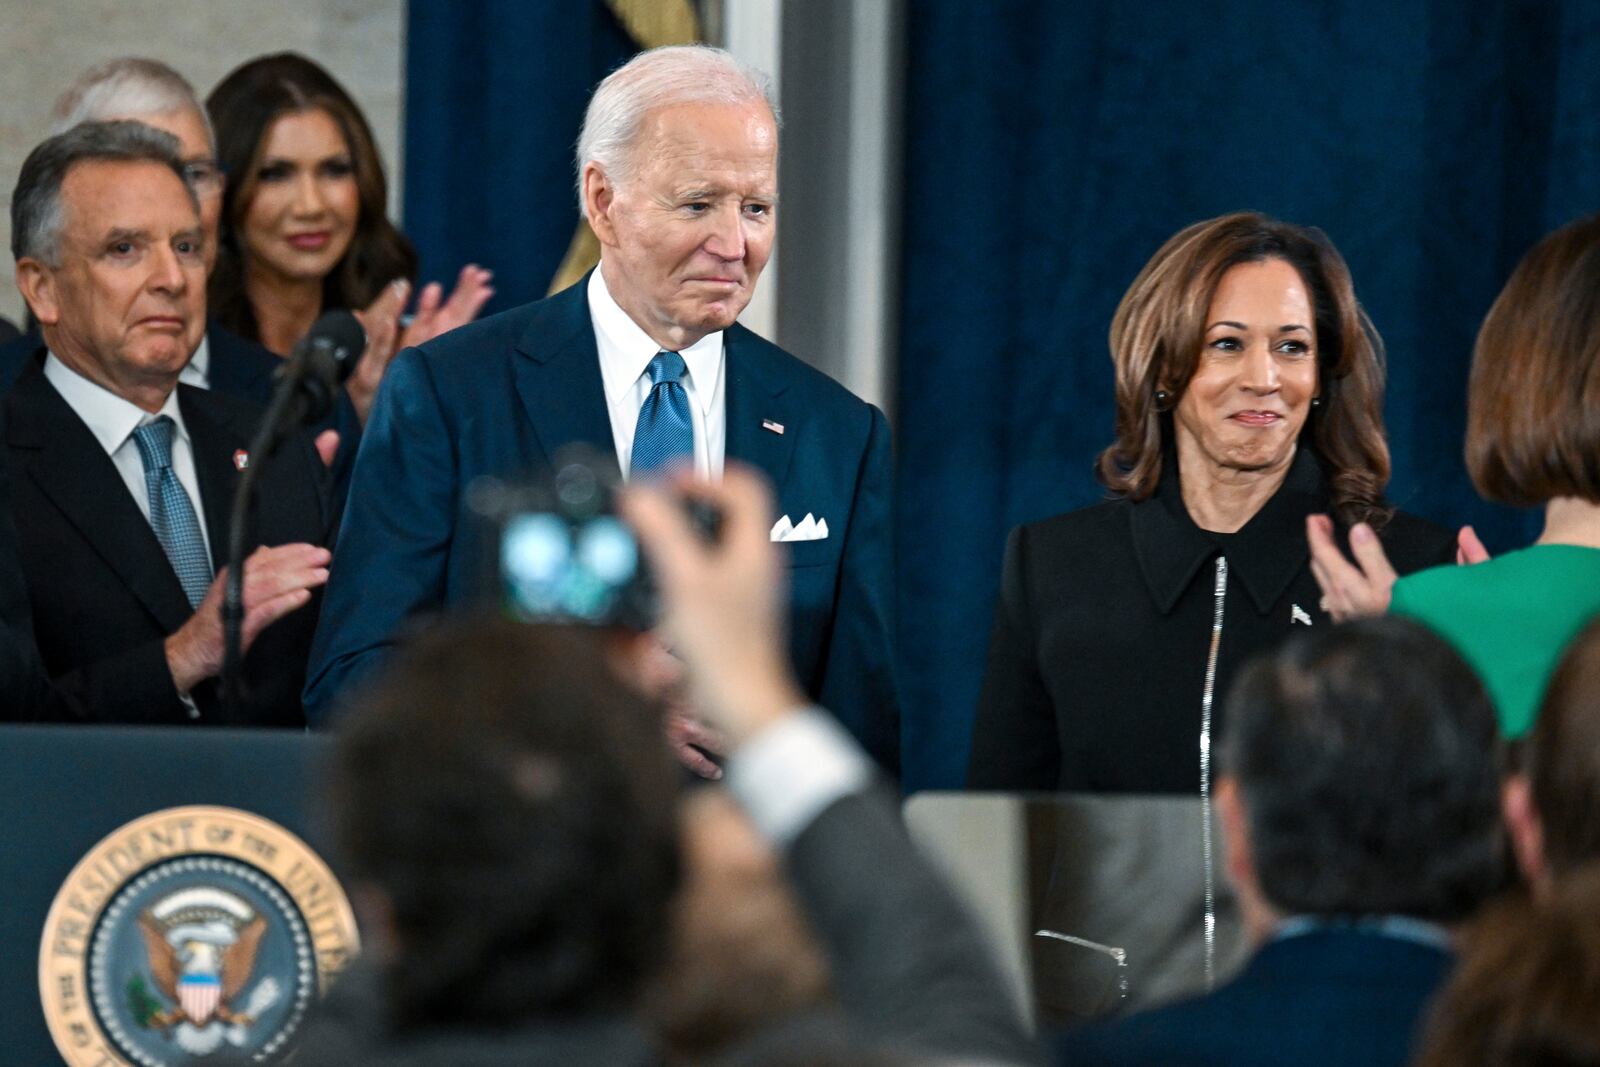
(241, 459)
(775, 427)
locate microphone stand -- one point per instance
(271, 433)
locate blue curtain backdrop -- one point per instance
(495, 92)
(1050, 149)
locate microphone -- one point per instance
(308, 385)
(310, 379)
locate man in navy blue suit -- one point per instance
(643, 360)
(1359, 799)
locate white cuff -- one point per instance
(791, 772)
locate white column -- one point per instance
(871, 261)
(753, 31)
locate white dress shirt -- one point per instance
(112, 420)
(197, 372)
(625, 355)
(794, 770)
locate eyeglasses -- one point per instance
(205, 175)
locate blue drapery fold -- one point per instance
(495, 92)
(1051, 148)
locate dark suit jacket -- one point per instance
(1334, 997)
(1097, 662)
(25, 693)
(105, 597)
(501, 395)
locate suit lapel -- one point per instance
(74, 473)
(558, 376)
(214, 446)
(761, 424)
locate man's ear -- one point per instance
(375, 918)
(1235, 832)
(37, 284)
(1525, 830)
(599, 194)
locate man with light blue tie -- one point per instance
(121, 479)
(644, 360)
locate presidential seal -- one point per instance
(187, 933)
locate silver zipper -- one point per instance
(1219, 596)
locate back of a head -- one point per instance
(1368, 762)
(743, 957)
(1533, 396)
(1526, 991)
(516, 806)
(1562, 757)
(125, 88)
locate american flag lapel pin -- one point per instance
(775, 427)
(241, 459)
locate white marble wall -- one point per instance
(44, 44)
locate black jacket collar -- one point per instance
(1264, 556)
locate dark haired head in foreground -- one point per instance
(510, 805)
(1552, 804)
(1360, 777)
(1358, 796)
(1527, 991)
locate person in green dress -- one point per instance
(1533, 439)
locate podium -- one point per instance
(168, 864)
(1095, 905)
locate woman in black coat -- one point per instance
(1249, 389)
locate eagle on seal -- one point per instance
(201, 968)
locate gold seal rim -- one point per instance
(335, 939)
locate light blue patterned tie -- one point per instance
(664, 434)
(171, 511)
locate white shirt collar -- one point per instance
(626, 350)
(109, 417)
(197, 372)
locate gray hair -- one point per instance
(127, 88)
(37, 213)
(662, 77)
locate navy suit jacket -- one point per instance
(1336, 996)
(500, 396)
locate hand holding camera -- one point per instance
(722, 598)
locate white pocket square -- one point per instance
(807, 529)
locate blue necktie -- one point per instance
(664, 435)
(171, 511)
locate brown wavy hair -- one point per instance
(1159, 328)
(1533, 400)
(243, 107)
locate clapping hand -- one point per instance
(277, 580)
(436, 314)
(1353, 590)
(386, 335)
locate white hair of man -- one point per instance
(662, 77)
(127, 88)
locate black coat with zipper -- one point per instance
(1099, 657)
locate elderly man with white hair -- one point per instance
(644, 360)
(148, 91)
